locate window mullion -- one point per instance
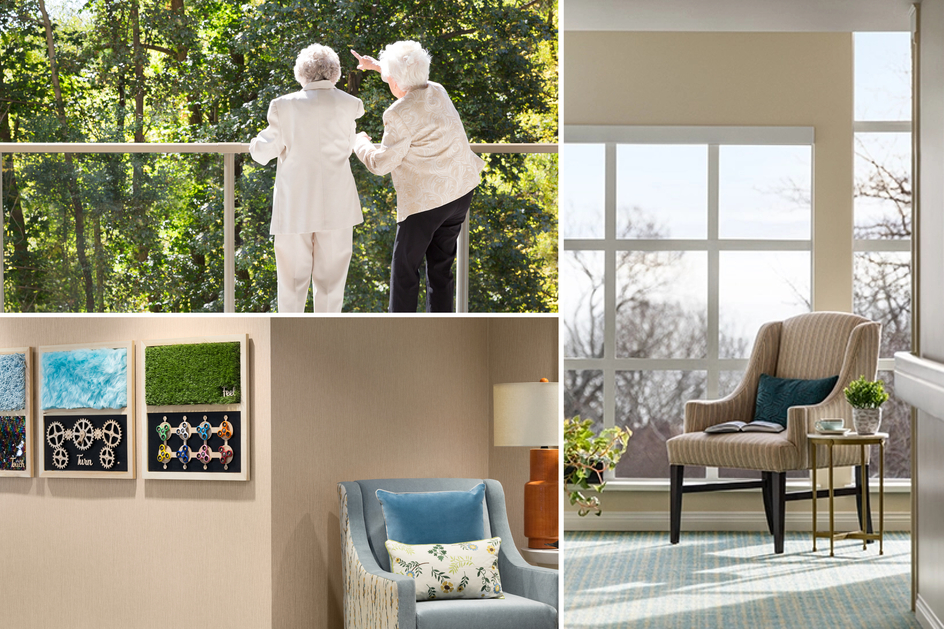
(713, 376)
(609, 293)
(713, 270)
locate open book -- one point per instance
(754, 426)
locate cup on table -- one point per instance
(829, 424)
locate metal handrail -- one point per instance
(229, 151)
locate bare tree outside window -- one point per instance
(653, 320)
(882, 287)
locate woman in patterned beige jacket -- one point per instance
(434, 171)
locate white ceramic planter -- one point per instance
(866, 420)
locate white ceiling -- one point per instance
(737, 15)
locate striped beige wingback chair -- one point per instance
(808, 346)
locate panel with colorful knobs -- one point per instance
(204, 431)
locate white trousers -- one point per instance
(319, 258)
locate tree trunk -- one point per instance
(139, 212)
(19, 266)
(72, 179)
(138, 53)
(99, 264)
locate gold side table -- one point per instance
(851, 439)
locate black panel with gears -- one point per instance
(85, 443)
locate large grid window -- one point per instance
(882, 246)
(678, 244)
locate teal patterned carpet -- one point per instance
(734, 581)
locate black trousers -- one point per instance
(431, 234)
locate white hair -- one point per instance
(407, 63)
(317, 63)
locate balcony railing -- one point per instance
(229, 150)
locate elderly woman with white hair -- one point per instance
(315, 204)
(434, 171)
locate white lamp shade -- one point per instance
(527, 414)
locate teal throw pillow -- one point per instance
(434, 517)
(776, 395)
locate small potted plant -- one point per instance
(866, 398)
(587, 456)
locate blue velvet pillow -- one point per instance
(776, 395)
(435, 517)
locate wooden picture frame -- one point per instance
(99, 437)
(16, 459)
(186, 440)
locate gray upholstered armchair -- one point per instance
(375, 598)
(808, 346)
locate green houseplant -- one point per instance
(866, 398)
(586, 456)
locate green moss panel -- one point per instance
(198, 373)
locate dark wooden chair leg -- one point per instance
(868, 499)
(778, 503)
(765, 477)
(675, 499)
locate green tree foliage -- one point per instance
(149, 227)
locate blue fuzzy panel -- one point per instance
(85, 378)
(12, 382)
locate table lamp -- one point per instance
(528, 414)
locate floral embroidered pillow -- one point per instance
(463, 570)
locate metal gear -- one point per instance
(55, 434)
(60, 458)
(83, 434)
(107, 457)
(111, 433)
(97, 433)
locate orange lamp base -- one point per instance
(541, 497)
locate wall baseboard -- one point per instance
(720, 521)
(926, 616)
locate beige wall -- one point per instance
(930, 197)
(519, 350)
(352, 398)
(740, 79)
(133, 553)
(929, 431)
(382, 398)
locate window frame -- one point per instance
(878, 245)
(610, 136)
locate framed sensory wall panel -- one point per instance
(86, 418)
(196, 396)
(16, 399)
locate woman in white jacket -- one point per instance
(434, 171)
(315, 204)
